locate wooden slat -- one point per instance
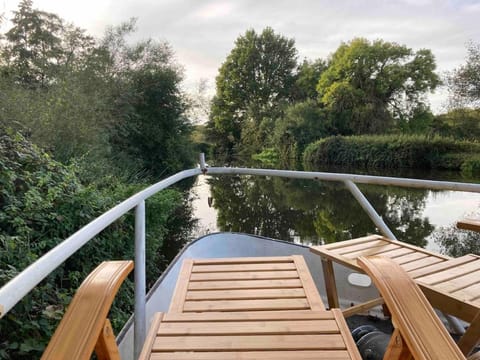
(421, 250)
(243, 267)
(251, 327)
(249, 316)
(460, 282)
(246, 305)
(255, 355)
(452, 273)
(397, 252)
(150, 339)
(450, 264)
(244, 260)
(245, 294)
(405, 259)
(345, 331)
(331, 249)
(308, 285)
(391, 249)
(280, 335)
(246, 275)
(248, 343)
(342, 244)
(421, 263)
(383, 249)
(244, 284)
(470, 293)
(176, 305)
(363, 246)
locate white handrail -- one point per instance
(12, 292)
(358, 179)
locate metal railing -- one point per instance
(12, 292)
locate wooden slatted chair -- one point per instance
(85, 328)
(451, 285)
(419, 334)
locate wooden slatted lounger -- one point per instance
(245, 284)
(452, 285)
(248, 308)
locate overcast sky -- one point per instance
(202, 32)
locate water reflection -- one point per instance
(456, 242)
(315, 212)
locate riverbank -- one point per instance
(395, 151)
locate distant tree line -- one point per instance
(268, 103)
(84, 123)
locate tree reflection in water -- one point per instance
(315, 212)
(455, 242)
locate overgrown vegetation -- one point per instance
(393, 151)
(42, 202)
(84, 123)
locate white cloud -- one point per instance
(214, 10)
(203, 32)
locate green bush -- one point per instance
(471, 166)
(42, 202)
(391, 151)
(268, 157)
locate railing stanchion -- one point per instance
(140, 279)
(369, 209)
(203, 164)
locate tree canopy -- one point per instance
(116, 102)
(252, 85)
(41, 46)
(464, 82)
(370, 85)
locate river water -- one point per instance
(314, 212)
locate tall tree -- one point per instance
(34, 44)
(370, 85)
(252, 85)
(152, 131)
(464, 82)
(51, 84)
(40, 47)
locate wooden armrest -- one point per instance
(413, 317)
(86, 317)
(469, 224)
